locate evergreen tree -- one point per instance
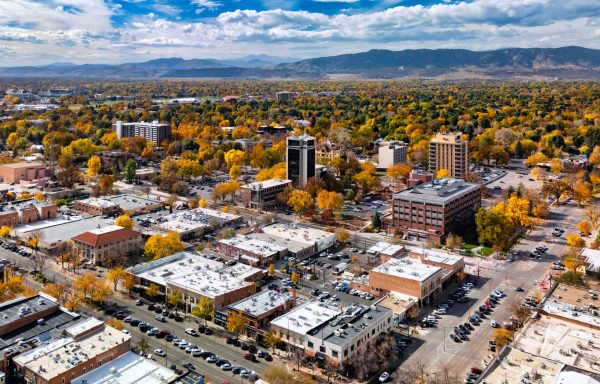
(376, 220)
(519, 150)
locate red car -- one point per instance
(476, 371)
(249, 356)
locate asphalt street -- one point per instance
(438, 352)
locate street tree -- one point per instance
(342, 236)
(585, 227)
(575, 240)
(115, 323)
(204, 309)
(272, 339)
(115, 275)
(152, 291)
(236, 323)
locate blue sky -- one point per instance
(36, 32)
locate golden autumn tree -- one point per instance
(93, 166)
(158, 246)
(300, 201)
(124, 221)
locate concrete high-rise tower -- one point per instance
(449, 151)
(300, 159)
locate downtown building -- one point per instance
(154, 131)
(300, 159)
(449, 151)
(432, 210)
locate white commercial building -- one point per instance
(197, 221)
(333, 336)
(301, 241)
(196, 277)
(391, 153)
(253, 251)
(129, 368)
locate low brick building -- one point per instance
(84, 346)
(15, 172)
(26, 212)
(96, 207)
(409, 277)
(99, 244)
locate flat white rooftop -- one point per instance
(569, 311)
(386, 248)
(128, 369)
(256, 246)
(83, 326)
(267, 184)
(438, 256)
(60, 355)
(302, 319)
(192, 220)
(99, 203)
(158, 271)
(408, 269)
(299, 233)
(261, 303)
(107, 229)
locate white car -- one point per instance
(494, 324)
(191, 331)
(384, 377)
(160, 352)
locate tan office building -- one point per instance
(449, 151)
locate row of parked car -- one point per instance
(209, 357)
(13, 247)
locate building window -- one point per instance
(334, 354)
(310, 344)
(322, 349)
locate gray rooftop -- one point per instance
(352, 321)
(22, 307)
(438, 192)
(59, 229)
(132, 202)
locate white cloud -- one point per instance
(83, 30)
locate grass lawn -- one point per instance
(485, 251)
(469, 247)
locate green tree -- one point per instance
(376, 221)
(493, 228)
(129, 170)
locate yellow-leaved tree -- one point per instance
(94, 164)
(124, 221)
(159, 246)
(300, 201)
(441, 173)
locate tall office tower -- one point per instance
(450, 152)
(300, 159)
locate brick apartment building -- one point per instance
(15, 172)
(449, 151)
(432, 210)
(98, 244)
(26, 212)
(84, 346)
(409, 277)
(263, 194)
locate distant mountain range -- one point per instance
(543, 63)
